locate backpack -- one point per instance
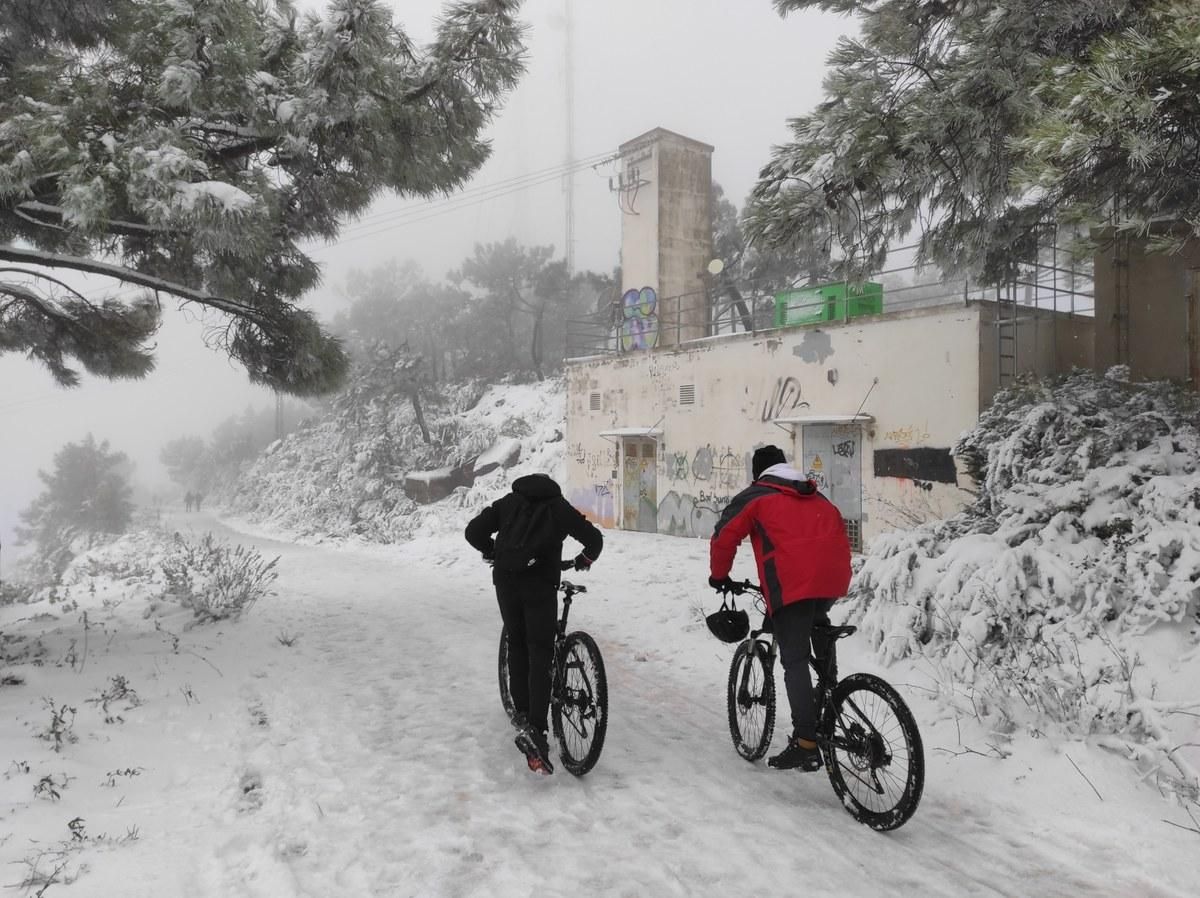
(529, 533)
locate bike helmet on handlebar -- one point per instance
(729, 623)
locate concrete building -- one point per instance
(661, 429)
(869, 408)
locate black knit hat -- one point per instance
(764, 457)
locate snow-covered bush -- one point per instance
(216, 580)
(1084, 535)
(343, 476)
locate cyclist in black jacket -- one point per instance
(537, 518)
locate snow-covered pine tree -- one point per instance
(86, 493)
(972, 123)
(189, 147)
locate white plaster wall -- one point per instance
(926, 363)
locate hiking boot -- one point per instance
(534, 746)
(801, 754)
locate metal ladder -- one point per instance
(1007, 322)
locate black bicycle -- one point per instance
(578, 691)
(868, 737)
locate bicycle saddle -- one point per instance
(835, 632)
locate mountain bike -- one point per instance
(868, 737)
(578, 689)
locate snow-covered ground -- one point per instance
(346, 738)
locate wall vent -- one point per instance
(594, 402)
(687, 394)
(854, 532)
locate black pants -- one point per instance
(529, 609)
(793, 631)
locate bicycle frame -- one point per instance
(826, 675)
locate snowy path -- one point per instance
(372, 758)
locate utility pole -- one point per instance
(569, 186)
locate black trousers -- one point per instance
(793, 631)
(529, 609)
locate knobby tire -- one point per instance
(872, 752)
(579, 703)
(505, 683)
(750, 697)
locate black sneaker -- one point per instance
(796, 757)
(534, 746)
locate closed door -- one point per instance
(832, 457)
(639, 498)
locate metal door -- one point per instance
(832, 457)
(639, 494)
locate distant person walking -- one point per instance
(188, 500)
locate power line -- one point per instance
(466, 200)
(470, 192)
(424, 214)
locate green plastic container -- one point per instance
(828, 302)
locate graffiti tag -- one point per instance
(784, 398)
(844, 449)
(639, 319)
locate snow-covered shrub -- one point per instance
(216, 580)
(1085, 533)
(344, 475)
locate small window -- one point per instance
(647, 450)
(687, 394)
(595, 402)
(631, 450)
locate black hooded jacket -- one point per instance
(567, 522)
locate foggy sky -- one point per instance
(725, 72)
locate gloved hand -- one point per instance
(721, 584)
(582, 562)
(489, 558)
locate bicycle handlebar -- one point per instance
(738, 588)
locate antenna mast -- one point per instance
(569, 185)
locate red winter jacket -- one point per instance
(798, 535)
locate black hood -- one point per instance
(537, 486)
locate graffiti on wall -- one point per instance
(639, 319)
(783, 397)
(593, 463)
(907, 435)
(597, 504)
(685, 514)
(719, 468)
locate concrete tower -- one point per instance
(665, 193)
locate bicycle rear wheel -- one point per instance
(579, 704)
(872, 752)
(502, 671)
(750, 697)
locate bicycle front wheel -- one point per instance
(505, 682)
(579, 706)
(872, 752)
(751, 701)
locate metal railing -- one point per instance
(731, 306)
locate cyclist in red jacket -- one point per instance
(803, 557)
